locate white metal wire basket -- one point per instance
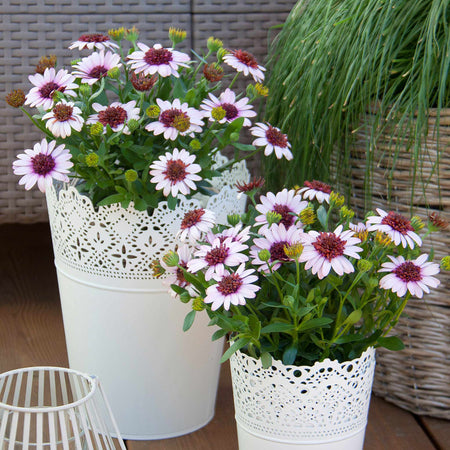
(55, 408)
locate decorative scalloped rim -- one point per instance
(310, 425)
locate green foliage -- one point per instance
(334, 61)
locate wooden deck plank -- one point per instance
(438, 429)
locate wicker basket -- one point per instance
(416, 378)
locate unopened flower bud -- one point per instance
(176, 35)
(157, 269)
(132, 34)
(218, 113)
(117, 34)
(131, 175)
(171, 259)
(46, 62)
(250, 91)
(153, 111)
(214, 44)
(273, 217)
(261, 90)
(336, 199)
(141, 82)
(307, 215)
(364, 265)
(16, 98)
(233, 219)
(234, 137)
(114, 73)
(437, 222)
(373, 282)
(92, 160)
(96, 129)
(213, 72)
(198, 304)
(445, 263)
(85, 90)
(221, 53)
(293, 251)
(133, 124)
(347, 213)
(264, 255)
(383, 239)
(195, 144)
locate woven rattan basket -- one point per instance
(417, 378)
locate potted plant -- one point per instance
(133, 138)
(305, 296)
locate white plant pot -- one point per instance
(323, 407)
(121, 323)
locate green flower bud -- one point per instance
(234, 137)
(85, 89)
(133, 125)
(261, 90)
(96, 129)
(92, 160)
(273, 217)
(347, 213)
(117, 34)
(264, 255)
(114, 73)
(364, 265)
(233, 219)
(131, 175)
(195, 144)
(307, 215)
(132, 34)
(198, 304)
(176, 35)
(417, 223)
(221, 53)
(336, 199)
(373, 282)
(153, 111)
(445, 263)
(214, 44)
(171, 259)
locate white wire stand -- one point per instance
(53, 408)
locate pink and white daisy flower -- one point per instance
(96, 66)
(175, 274)
(115, 115)
(286, 203)
(47, 84)
(232, 288)
(236, 234)
(233, 109)
(316, 190)
(195, 223)
(360, 227)
(275, 239)
(93, 40)
(409, 275)
(43, 163)
(324, 251)
(396, 226)
(62, 118)
(164, 61)
(246, 63)
(216, 256)
(175, 172)
(272, 139)
(176, 118)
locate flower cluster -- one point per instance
(297, 279)
(141, 123)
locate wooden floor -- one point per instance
(31, 333)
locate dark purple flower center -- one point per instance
(245, 58)
(112, 116)
(158, 56)
(397, 222)
(49, 88)
(175, 118)
(192, 218)
(98, 72)
(408, 271)
(93, 37)
(175, 170)
(62, 112)
(229, 284)
(231, 112)
(275, 137)
(43, 164)
(287, 218)
(329, 245)
(318, 186)
(277, 252)
(217, 255)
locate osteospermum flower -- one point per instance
(236, 234)
(286, 203)
(396, 226)
(175, 172)
(233, 109)
(409, 275)
(360, 230)
(96, 66)
(115, 115)
(246, 63)
(272, 139)
(216, 256)
(47, 84)
(324, 251)
(62, 118)
(275, 239)
(232, 288)
(164, 61)
(43, 163)
(196, 222)
(316, 190)
(176, 274)
(93, 40)
(176, 118)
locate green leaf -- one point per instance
(278, 327)
(172, 202)
(178, 289)
(349, 338)
(115, 198)
(354, 317)
(255, 326)
(266, 360)
(237, 345)
(289, 355)
(218, 335)
(322, 216)
(244, 147)
(189, 320)
(391, 343)
(140, 204)
(314, 323)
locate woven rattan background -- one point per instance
(34, 28)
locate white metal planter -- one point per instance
(122, 324)
(323, 407)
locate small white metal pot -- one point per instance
(323, 407)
